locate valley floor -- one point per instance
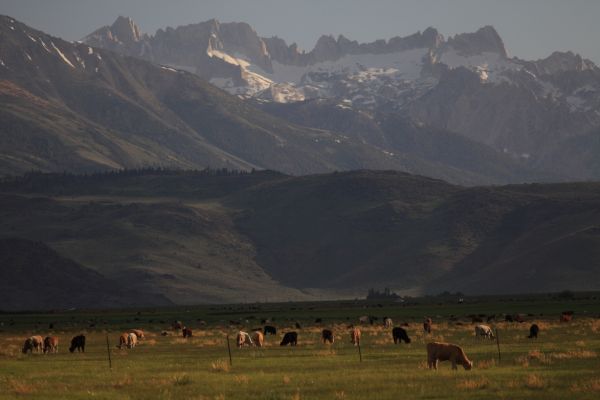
(563, 363)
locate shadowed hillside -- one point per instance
(214, 236)
(33, 276)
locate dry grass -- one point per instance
(592, 385)
(181, 380)
(10, 351)
(19, 388)
(473, 384)
(573, 354)
(220, 365)
(241, 379)
(123, 382)
(533, 381)
(486, 364)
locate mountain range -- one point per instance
(536, 111)
(457, 109)
(205, 163)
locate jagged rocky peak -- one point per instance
(563, 61)
(281, 52)
(126, 30)
(486, 39)
(430, 38)
(239, 37)
(326, 49)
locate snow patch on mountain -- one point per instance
(62, 56)
(491, 67)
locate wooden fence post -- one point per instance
(108, 352)
(229, 351)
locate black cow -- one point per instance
(270, 330)
(327, 336)
(290, 338)
(533, 331)
(318, 320)
(400, 335)
(298, 326)
(78, 342)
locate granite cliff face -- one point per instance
(467, 84)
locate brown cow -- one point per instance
(355, 337)
(33, 343)
(437, 351)
(427, 324)
(564, 317)
(186, 332)
(258, 338)
(51, 344)
(123, 340)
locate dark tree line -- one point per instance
(40, 179)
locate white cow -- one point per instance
(243, 338)
(484, 331)
(132, 340)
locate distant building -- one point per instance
(386, 294)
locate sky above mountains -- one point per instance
(531, 29)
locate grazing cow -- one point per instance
(123, 340)
(258, 338)
(78, 342)
(363, 319)
(509, 318)
(519, 318)
(387, 322)
(50, 344)
(400, 335)
(177, 325)
(269, 330)
(138, 332)
(427, 324)
(33, 343)
(533, 331)
(355, 337)
(476, 320)
(327, 336)
(243, 338)
(290, 338)
(484, 331)
(186, 332)
(131, 340)
(437, 351)
(298, 326)
(491, 318)
(566, 317)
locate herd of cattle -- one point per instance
(436, 351)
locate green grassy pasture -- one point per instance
(563, 363)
